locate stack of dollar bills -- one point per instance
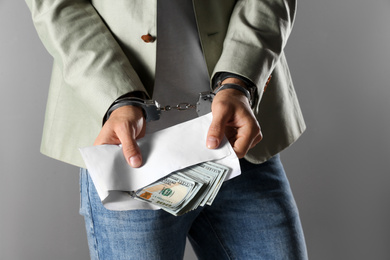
(186, 189)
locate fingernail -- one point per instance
(212, 142)
(135, 161)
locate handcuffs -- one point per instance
(152, 109)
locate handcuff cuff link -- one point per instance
(152, 109)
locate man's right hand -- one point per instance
(125, 125)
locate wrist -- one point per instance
(246, 86)
(233, 81)
(150, 108)
(126, 110)
(134, 94)
(237, 87)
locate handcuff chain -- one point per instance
(179, 107)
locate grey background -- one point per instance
(339, 56)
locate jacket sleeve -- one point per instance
(257, 34)
(91, 61)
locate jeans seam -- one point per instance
(91, 226)
(227, 252)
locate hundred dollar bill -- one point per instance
(222, 172)
(185, 190)
(199, 196)
(208, 177)
(169, 192)
(219, 172)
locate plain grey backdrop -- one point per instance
(338, 54)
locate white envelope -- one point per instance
(163, 152)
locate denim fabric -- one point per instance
(253, 217)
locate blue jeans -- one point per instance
(254, 216)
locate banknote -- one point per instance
(170, 192)
(185, 190)
(221, 171)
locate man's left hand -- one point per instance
(233, 117)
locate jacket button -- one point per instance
(148, 38)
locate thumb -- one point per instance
(132, 152)
(216, 132)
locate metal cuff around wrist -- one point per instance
(151, 108)
(236, 87)
(221, 76)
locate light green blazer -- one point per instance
(99, 55)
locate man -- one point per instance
(107, 53)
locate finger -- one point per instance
(257, 140)
(216, 131)
(133, 154)
(130, 148)
(124, 126)
(241, 147)
(247, 137)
